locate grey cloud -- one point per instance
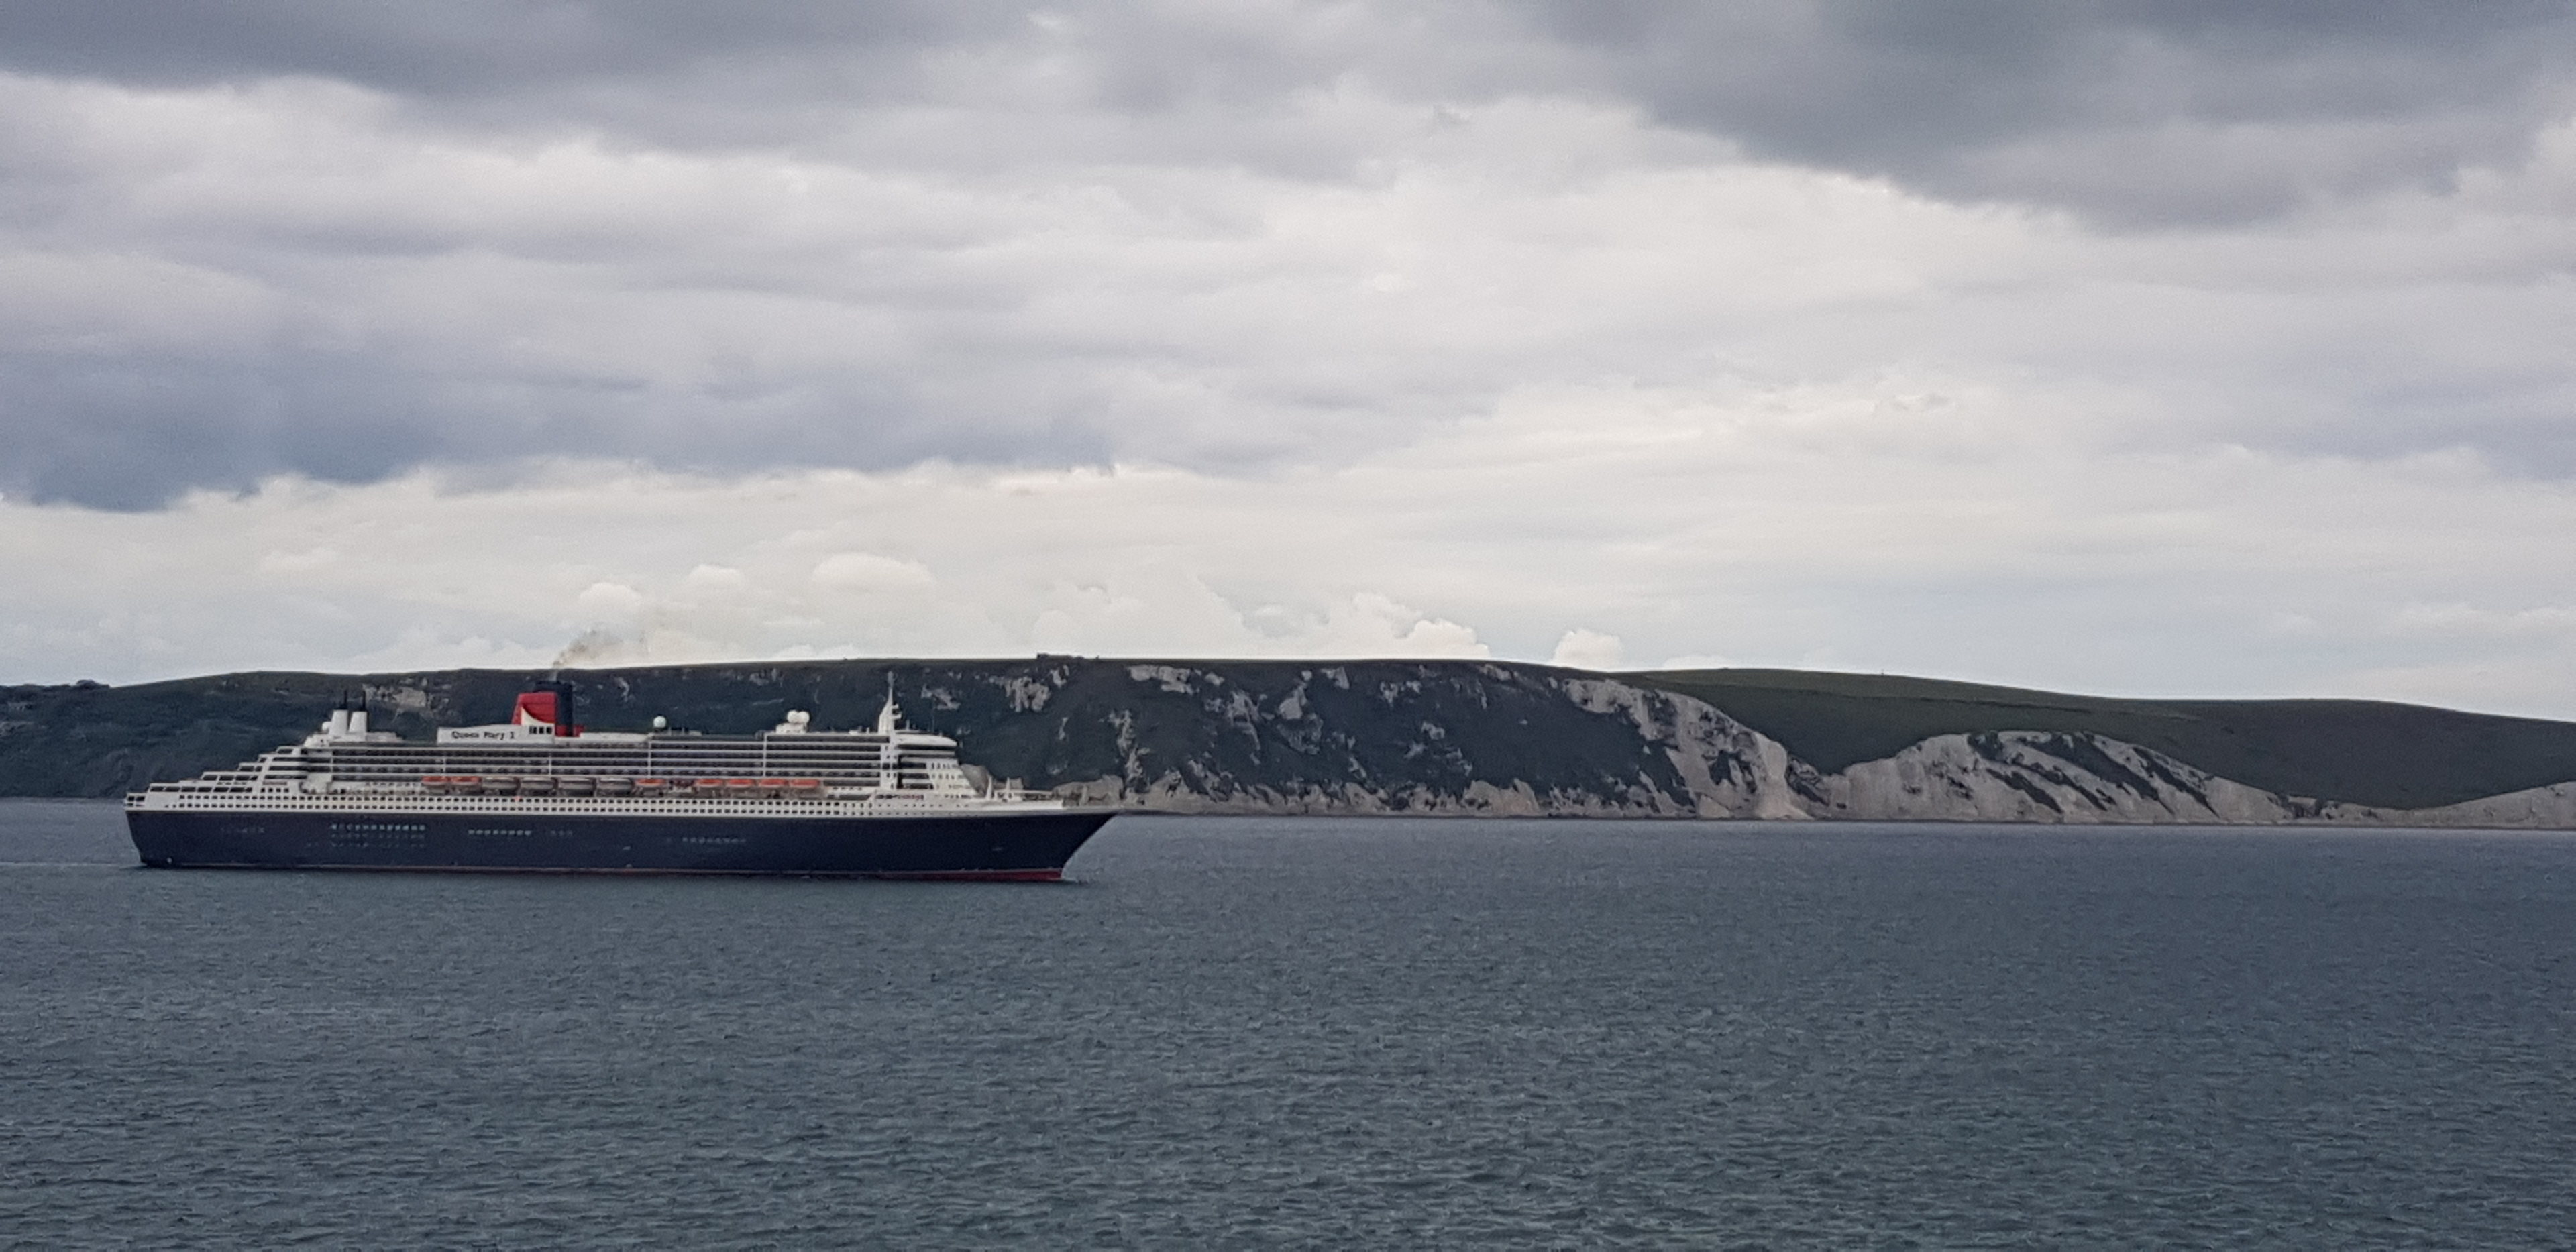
(464, 48)
(132, 434)
(761, 72)
(2132, 111)
(941, 310)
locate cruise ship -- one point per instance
(539, 794)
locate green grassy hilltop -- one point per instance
(1286, 732)
(2359, 751)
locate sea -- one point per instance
(1314, 1032)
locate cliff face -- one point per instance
(1356, 737)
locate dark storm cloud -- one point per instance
(2133, 111)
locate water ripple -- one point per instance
(1239, 1033)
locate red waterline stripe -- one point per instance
(949, 875)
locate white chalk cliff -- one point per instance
(1727, 770)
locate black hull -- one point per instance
(1006, 846)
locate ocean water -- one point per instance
(1250, 1032)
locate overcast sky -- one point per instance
(2173, 347)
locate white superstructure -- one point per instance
(536, 765)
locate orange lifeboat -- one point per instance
(710, 786)
(652, 786)
(804, 788)
(772, 786)
(464, 784)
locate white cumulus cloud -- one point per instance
(868, 572)
(1586, 649)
